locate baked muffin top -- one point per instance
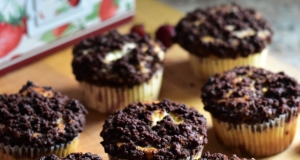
(158, 131)
(74, 156)
(220, 156)
(250, 95)
(39, 117)
(225, 31)
(117, 60)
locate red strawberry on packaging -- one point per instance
(24, 24)
(107, 9)
(10, 37)
(12, 28)
(57, 32)
(165, 34)
(139, 29)
(73, 3)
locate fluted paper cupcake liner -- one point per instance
(8, 152)
(204, 67)
(110, 99)
(195, 157)
(259, 140)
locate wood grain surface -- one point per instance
(179, 83)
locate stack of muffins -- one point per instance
(254, 111)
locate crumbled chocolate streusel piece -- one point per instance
(250, 95)
(225, 31)
(220, 156)
(74, 156)
(158, 131)
(39, 117)
(117, 60)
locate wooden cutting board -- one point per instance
(179, 83)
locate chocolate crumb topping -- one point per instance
(220, 156)
(117, 60)
(74, 156)
(39, 117)
(250, 95)
(225, 31)
(158, 131)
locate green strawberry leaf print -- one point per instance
(2, 19)
(117, 2)
(22, 11)
(48, 37)
(94, 14)
(128, 6)
(62, 9)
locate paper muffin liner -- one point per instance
(204, 67)
(194, 157)
(8, 152)
(109, 99)
(259, 140)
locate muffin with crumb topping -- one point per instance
(222, 37)
(254, 111)
(220, 156)
(73, 156)
(38, 121)
(116, 69)
(158, 130)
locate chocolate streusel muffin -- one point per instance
(115, 70)
(220, 156)
(221, 37)
(253, 110)
(156, 131)
(38, 121)
(74, 156)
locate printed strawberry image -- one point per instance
(73, 2)
(107, 9)
(12, 27)
(57, 32)
(24, 24)
(10, 37)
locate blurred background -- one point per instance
(283, 15)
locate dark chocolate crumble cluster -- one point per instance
(226, 31)
(97, 60)
(220, 156)
(74, 156)
(39, 117)
(250, 95)
(134, 133)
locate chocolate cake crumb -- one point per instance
(250, 95)
(117, 60)
(220, 156)
(168, 129)
(39, 117)
(225, 31)
(74, 156)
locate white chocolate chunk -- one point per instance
(115, 55)
(147, 150)
(159, 115)
(40, 90)
(207, 39)
(229, 27)
(60, 125)
(244, 33)
(263, 34)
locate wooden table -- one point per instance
(179, 83)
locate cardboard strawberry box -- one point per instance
(30, 29)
